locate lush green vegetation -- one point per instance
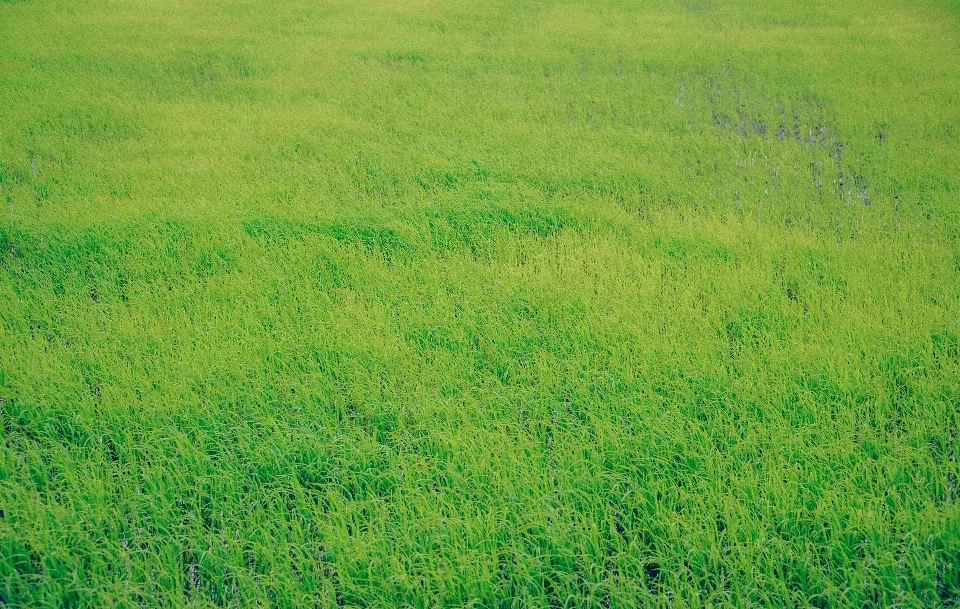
(431, 303)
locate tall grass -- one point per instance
(503, 304)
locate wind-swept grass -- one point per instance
(516, 304)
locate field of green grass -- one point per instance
(515, 303)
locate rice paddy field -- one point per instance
(422, 303)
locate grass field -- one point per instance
(493, 304)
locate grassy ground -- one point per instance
(434, 303)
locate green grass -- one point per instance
(488, 304)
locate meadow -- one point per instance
(516, 303)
